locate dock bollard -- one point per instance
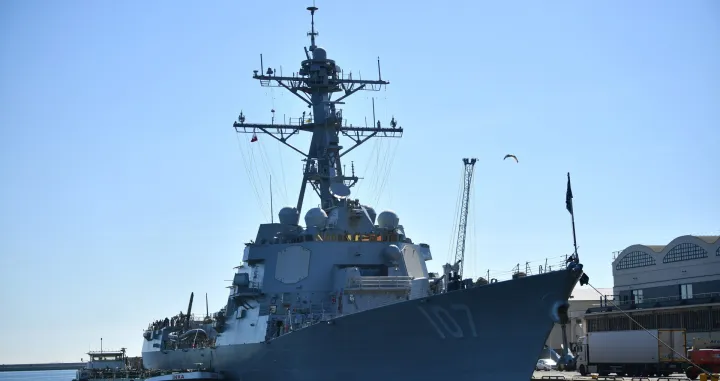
(703, 376)
(715, 377)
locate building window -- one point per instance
(685, 252)
(635, 259)
(637, 296)
(686, 291)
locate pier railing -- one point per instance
(609, 300)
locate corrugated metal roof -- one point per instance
(656, 248)
(708, 238)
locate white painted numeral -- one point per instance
(445, 324)
(470, 318)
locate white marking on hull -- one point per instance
(442, 317)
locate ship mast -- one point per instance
(317, 80)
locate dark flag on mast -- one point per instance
(569, 197)
(575, 258)
(569, 206)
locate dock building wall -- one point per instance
(664, 287)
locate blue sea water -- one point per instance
(42, 375)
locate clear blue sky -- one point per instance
(123, 186)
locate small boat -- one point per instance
(103, 365)
(115, 365)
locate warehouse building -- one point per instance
(663, 287)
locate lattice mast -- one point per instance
(469, 165)
(317, 80)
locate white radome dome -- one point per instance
(388, 220)
(288, 216)
(315, 217)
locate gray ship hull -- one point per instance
(496, 332)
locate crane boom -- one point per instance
(464, 208)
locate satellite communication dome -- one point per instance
(371, 212)
(315, 217)
(340, 190)
(392, 253)
(288, 215)
(319, 54)
(388, 220)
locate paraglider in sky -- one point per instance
(512, 156)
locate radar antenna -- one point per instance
(315, 83)
(312, 32)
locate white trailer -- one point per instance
(632, 353)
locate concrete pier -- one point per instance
(573, 376)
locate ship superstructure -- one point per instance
(347, 295)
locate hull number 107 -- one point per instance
(445, 323)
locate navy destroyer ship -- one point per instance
(348, 295)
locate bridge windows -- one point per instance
(637, 296)
(684, 252)
(686, 291)
(635, 259)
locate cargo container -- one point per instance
(633, 353)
